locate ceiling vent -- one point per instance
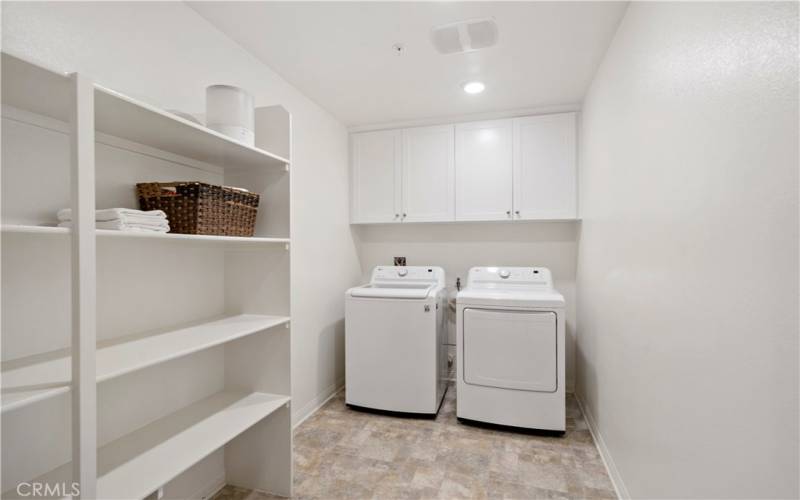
(464, 36)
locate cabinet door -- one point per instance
(545, 178)
(375, 176)
(483, 170)
(428, 174)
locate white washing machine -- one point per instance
(510, 343)
(395, 335)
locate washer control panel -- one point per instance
(426, 274)
(499, 277)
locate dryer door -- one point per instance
(510, 349)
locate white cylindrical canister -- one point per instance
(230, 111)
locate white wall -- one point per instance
(459, 246)
(166, 54)
(688, 259)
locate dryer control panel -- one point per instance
(538, 278)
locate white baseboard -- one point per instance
(318, 402)
(605, 454)
(211, 488)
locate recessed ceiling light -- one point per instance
(473, 87)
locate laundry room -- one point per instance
(385, 249)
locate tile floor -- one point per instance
(342, 453)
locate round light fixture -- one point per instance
(473, 87)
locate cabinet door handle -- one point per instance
(516, 212)
(508, 212)
(404, 215)
(396, 215)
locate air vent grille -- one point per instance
(464, 36)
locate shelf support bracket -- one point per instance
(84, 293)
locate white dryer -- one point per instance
(395, 335)
(510, 342)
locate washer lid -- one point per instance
(401, 282)
(393, 290)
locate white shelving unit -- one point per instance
(134, 362)
(138, 463)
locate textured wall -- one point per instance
(688, 256)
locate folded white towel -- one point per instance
(139, 219)
(124, 226)
(108, 214)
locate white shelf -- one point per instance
(44, 92)
(34, 378)
(52, 230)
(125, 117)
(35, 89)
(30, 229)
(139, 463)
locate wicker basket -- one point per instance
(199, 208)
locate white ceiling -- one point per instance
(340, 53)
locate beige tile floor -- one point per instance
(342, 453)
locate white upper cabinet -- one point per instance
(513, 169)
(375, 176)
(484, 170)
(428, 174)
(545, 177)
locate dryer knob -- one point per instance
(402, 271)
(504, 273)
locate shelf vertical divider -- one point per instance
(84, 287)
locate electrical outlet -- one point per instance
(399, 261)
